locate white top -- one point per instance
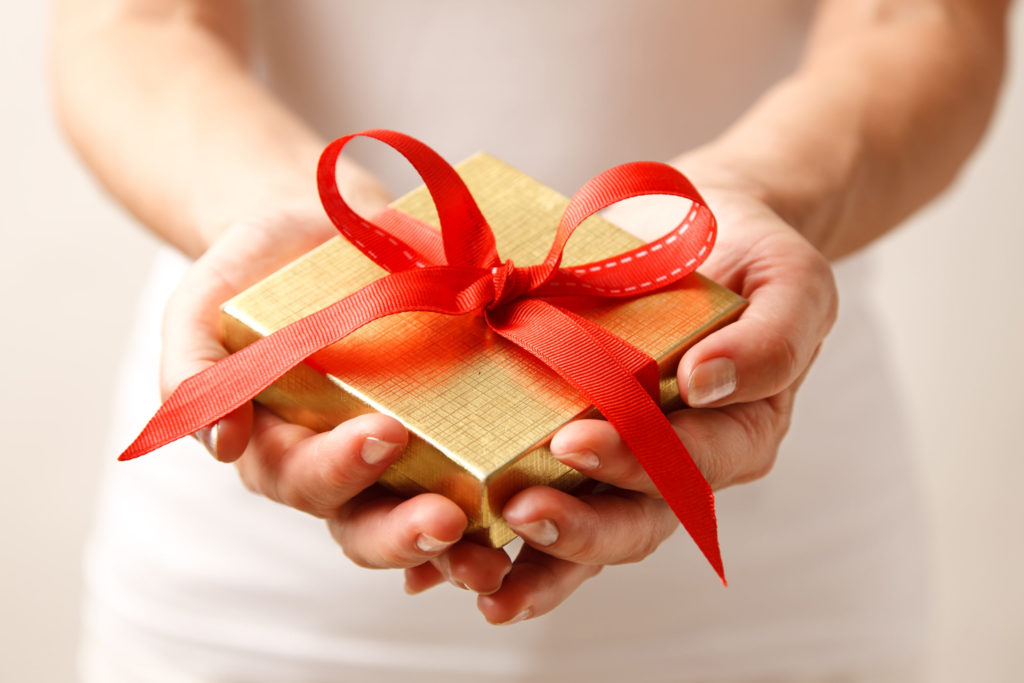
(822, 555)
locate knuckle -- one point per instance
(287, 493)
(333, 473)
(251, 476)
(784, 357)
(820, 272)
(293, 490)
(766, 423)
(339, 533)
(765, 466)
(652, 533)
(247, 480)
(587, 541)
(712, 449)
(291, 494)
(318, 487)
(357, 558)
(760, 465)
(628, 532)
(585, 547)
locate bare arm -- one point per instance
(157, 98)
(891, 97)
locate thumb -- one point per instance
(793, 305)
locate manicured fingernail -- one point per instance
(377, 450)
(429, 544)
(712, 381)
(208, 436)
(522, 616)
(542, 532)
(580, 460)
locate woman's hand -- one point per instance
(329, 475)
(741, 382)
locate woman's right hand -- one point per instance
(330, 475)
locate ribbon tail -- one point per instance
(568, 348)
(223, 387)
(633, 360)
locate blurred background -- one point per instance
(949, 288)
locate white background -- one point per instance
(70, 261)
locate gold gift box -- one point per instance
(480, 412)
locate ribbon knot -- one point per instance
(510, 283)
(457, 271)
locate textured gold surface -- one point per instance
(479, 411)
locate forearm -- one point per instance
(889, 101)
(157, 98)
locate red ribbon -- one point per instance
(458, 271)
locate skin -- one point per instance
(888, 102)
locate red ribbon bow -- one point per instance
(458, 271)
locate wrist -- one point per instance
(287, 189)
(810, 202)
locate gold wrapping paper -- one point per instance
(479, 410)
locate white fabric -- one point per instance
(190, 572)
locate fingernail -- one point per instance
(711, 381)
(580, 460)
(522, 616)
(377, 450)
(208, 436)
(542, 532)
(429, 544)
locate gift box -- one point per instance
(480, 411)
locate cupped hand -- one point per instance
(740, 381)
(330, 475)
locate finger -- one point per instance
(729, 445)
(594, 448)
(387, 532)
(319, 473)
(605, 528)
(227, 438)
(793, 304)
(738, 443)
(536, 584)
(471, 566)
(422, 577)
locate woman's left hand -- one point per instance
(740, 381)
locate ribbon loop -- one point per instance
(468, 240)
(644, 269)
